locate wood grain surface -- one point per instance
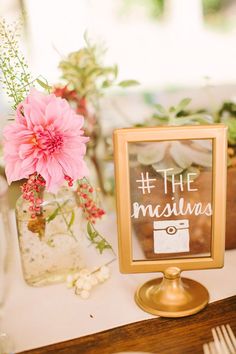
(159, 335)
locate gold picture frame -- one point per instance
(121, 138)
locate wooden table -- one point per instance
(159, 335)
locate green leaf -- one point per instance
(72, 219)
(94, 72)
(199, 118)
(183, 104)
(56, 211)
(161, 118)
(53, 215)
(106, 83)
(231, 123)
(89, 229)
(43, 85)
(108, 70)
(102, 245)
(100, 242)
(160, 108)
(128, 83)
(116, 71)
(149, 98)
(92, 234)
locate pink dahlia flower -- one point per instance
(46, 138)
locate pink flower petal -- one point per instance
(46, 138)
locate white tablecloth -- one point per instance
(35, 317)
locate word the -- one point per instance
(146, 183)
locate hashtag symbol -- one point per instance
(145, 183)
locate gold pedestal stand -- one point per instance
(172, 296)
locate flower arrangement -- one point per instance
(46, 147)
(227, 115)
(85, 77)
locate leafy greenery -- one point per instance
(85, 72)
(128, 83)
(85, 80)
(55, 212)
(227, 115)
(72, 219)
(44, 84)
(178, 115)
(231, 124)
(82, 69)
(228, 107)
(97, 239)
(60, 210)
(154, 8)
(15, 78)
(212, 6)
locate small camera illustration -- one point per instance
(171, 236)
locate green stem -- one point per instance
(106, 264)
(10, 87)
(101, 237)
(16, 55)
(65, 220)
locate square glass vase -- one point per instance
(50, 247)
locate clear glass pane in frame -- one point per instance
(171, 198)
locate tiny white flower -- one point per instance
(99, 277)
(87, 285)
(84, 294)
(105, 271)
(94, 280)
(103, 274)
(79, 283)
(88, 277)
(85, 280)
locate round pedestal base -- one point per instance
(172, 297)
